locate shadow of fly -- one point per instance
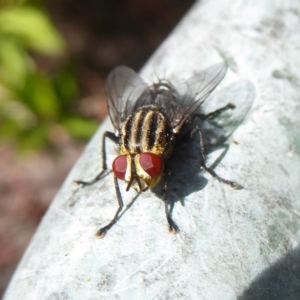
(148, 120)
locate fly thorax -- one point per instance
(146, 130)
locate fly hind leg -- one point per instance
(233, 184)
(215, 113)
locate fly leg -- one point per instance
(173, 228)
(101, 232)
(203, 160)
(115, 139)
(215, 113)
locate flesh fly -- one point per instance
(148, 120)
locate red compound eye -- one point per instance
(152, 164)
(119, 166)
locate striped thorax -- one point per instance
(147, 130)
(146, 139)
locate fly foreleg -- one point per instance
(115, 139)
(101, 232)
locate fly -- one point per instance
(148, 120)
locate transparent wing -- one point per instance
(123, 88)
(216, 130)
(193, 92)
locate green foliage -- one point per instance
(32, 28)
(32, 102)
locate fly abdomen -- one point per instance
(146, 130)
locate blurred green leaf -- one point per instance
(66, 87)
(33, 28)
(33, 104)
(4, 3)
(9, 130)
(11, 108)
(40, 95)
(80, 128)
(34, 138)
(14, 63)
